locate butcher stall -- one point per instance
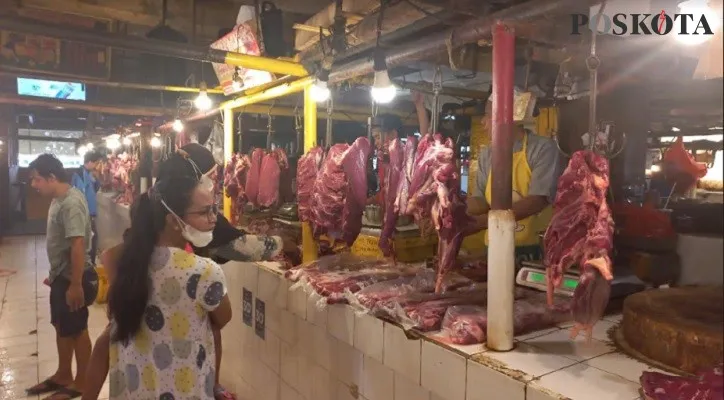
(287, 339)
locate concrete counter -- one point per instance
(280, 346)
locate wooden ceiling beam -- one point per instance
(210, 17)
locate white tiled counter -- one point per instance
(297, 352)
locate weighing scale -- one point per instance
(533, 275)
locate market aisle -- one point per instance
(27, 340)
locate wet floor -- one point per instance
(27, 340)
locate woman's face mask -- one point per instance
(195, 236)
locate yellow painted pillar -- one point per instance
(228, 152)
(310, 251)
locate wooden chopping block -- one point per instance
(656, 269)
(680, 327)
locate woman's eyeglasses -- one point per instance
(209, 211)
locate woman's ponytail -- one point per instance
(130, 292)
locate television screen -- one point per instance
(51, 89)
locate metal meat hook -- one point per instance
(436, 89)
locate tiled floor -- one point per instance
(27, 340)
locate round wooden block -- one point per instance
(679, 327)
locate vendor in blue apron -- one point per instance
(535, 176)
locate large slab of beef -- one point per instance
(381, 298)
(307, 170)
(340, 192)
(434, 194)
(254, 175)
(581, 234)
(707, 385)
(272, 165)
(468, 324)
(335, 277)
(393, 179)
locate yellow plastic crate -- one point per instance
(408, 248)
(102, 296)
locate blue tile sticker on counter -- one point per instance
(259, 318)
(246, 308)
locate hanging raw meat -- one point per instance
(117, 176)
(307, 170)
(434, 194)
(234, 180)
(340, 192)
(272, 166)
(581, 233)
(253, 176)
(403, 190)
(393, 178)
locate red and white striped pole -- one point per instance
(501, 220)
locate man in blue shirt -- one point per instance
(86, 182)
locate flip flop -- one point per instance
(68, 394)
(221, 393)
(43, 387)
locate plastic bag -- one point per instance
(681, 167)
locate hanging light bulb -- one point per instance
(113, 143)
(81, 150)
(698, 9)
(178, 126)
(320, 89)
(383, 91)
(203, 101)
(127, 141)
(89, 146)
(155, 142)
(236, 82)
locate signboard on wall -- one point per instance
(241, 39)
(20, 51)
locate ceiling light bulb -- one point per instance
(320, 91)
(698, 9)
(155, 142)
(89, 146)
(82, 150)
(675, 129)
(203, 101)
(383, 91)
(178, 126)
(127, 141)
(113, 143)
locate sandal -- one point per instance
(43, 387)
(220, 393)
(67, 394)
